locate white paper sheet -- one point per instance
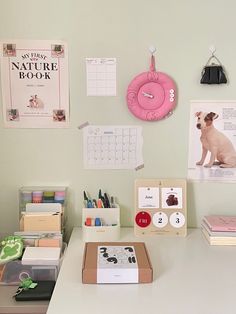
(34, 81)
(101, 76)
(112, 147)
(225, 124)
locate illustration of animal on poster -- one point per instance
(212, 141)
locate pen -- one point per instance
(101, 197)
(85, 196)
(85, 199)
(99, 203)
(107, 200)
(113, 204)
(98, 222)
(100, 194)
(89, 204)
(94, 203)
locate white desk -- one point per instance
(190, 277)
(10, 306)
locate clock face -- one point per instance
(151, 96)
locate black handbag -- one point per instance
(213, 73)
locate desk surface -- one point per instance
(9, 305)
(190, 276)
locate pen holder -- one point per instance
(109, 230)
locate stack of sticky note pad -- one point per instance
(219, 229)
(41, 256)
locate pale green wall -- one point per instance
(182, 31)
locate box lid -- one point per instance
(126, 258)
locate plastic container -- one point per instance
(42, 194)
(13, 272)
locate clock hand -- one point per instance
(147, 95)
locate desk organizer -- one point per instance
(42, 194)
(110, 228)
(41, 198)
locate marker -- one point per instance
(89, 204)
(85, 199)
(100, 194)
(113, 204)
(88, 221)
(98, 222)
(85, 196)
(99, 203)
(107, 200)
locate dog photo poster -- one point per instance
(212, 141)
(34, 82)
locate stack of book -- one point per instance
(219, 229)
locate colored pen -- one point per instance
(101, 197)
(99, 203)
(98, 222)
(89, 204)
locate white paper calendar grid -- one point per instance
(101, 76)
(112, 147)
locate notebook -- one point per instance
(217, 233)
(220, 222)
(41, 256)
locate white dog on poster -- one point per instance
(221, 149)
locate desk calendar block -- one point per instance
(160, 207)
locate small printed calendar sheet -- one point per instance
(101, 76)
(112, 147)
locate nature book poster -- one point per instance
(212, 141)
(34, 82)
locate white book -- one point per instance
(41, 256)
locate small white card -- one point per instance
(101, 76)
(172, 197)
(148, 197)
